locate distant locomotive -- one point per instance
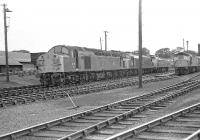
(185, 63)
(71, 64)
(161, 62)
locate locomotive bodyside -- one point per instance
(105, 63)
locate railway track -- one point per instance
(28, 88)
(83, 124)
(28, 95)
(180, 125)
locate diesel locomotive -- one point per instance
(63, 65)
(185, 63)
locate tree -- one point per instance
(163, 53)
(145, 51)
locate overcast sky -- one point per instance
(38, 25)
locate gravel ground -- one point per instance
(22, 116)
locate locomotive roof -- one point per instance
(107, 53)
(182, 53)
(95, 51)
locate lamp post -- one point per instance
(6, 42)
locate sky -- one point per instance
(38, 25)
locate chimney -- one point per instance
(198, 49)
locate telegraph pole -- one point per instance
(187, 42)
(105, 40)
(140, 43)
(6, 42)
(183, 44)
(100, 43)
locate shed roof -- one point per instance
(10, 61)
(18, 56)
